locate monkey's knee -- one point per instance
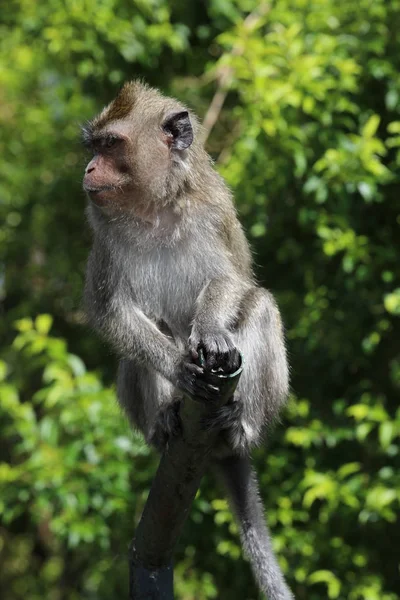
(264, 384)
(259, 308)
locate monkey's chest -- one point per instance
(166, 285)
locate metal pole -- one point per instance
(177, 480)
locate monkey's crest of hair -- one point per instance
(132, 92)
(138, 94)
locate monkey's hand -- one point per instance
(218, 349)
(192, 381)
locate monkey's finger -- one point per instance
(198, 392)
(201, 355)
(204, 384)
(233, 360)
(195, 369)
(199, 388)
(194, 354)
(206, 390)
(211, 361)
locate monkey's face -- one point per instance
(135, 141)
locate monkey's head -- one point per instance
(141, 144)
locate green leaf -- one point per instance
(348, 469)
(24, 325)
(386, 434)
(371, 126)
(327, 577)
(3, 370)
(43, 324)
(77, 365)
(358, 411)
(392, 302)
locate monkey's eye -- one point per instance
(87, 144)
(111, 141)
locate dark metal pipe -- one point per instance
(174, 487)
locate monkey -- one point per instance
(169, 275)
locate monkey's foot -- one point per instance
(228, 420)
(167, 425)
(216, 351)
(224, 418)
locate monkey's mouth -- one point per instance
(97, 190)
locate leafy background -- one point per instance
(308, 138)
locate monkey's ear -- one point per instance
(179, 129)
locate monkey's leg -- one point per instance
(241, 483)
(263, 386)
(150, 402)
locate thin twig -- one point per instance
(225, 73)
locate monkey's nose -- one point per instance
(89, 170)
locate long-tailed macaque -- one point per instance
(170, 273)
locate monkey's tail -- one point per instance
(241, 482)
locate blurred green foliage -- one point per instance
(309, 141)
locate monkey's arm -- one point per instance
(217, 311)
(224, 306)
(136, 337)
(218, 303)
(112, 310)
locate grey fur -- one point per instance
(170, 269)
(241, 482)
